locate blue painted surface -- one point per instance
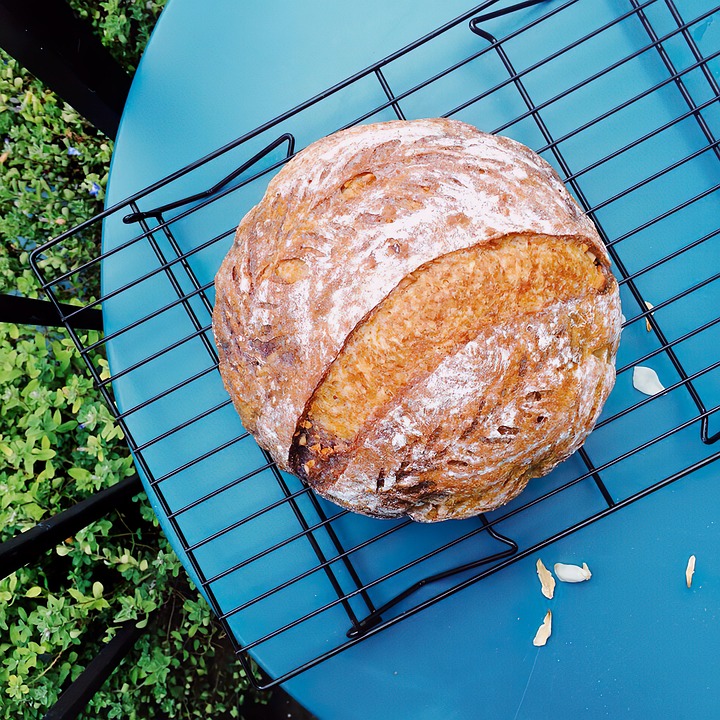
(634, 641)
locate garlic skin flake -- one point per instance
(546, 580)
(645, 380)
(572, 573)
(649, 306)
(544, 631)
(690, 571)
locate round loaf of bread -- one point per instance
(416, 319)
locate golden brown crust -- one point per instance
(345, 225)
(508, 406)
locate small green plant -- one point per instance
(59, 443)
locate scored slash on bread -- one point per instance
(417, 319)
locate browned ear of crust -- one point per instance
(431, 315)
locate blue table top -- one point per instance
(634, 641)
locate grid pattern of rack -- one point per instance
(628, 111)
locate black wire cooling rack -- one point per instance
(626, 107)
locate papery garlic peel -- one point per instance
(544, 631)
(546, 580)
(649, 306)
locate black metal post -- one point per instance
(29, 311)
(48, 39)
(26, 547)
(73, 701)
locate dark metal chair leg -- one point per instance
(48, 39)
(29, 311)
(73, 701)
(28, 546)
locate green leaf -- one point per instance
(45, 454)
(34, 511)
(97, 589)
(34, 592)
(80, 474)
(64, 671)
(77, 595)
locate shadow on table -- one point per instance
(280, 707)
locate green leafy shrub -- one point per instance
(59, 443)
(123, 25)
(53, 167)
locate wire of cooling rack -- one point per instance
(663, 56)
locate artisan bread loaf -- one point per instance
(416, 319)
